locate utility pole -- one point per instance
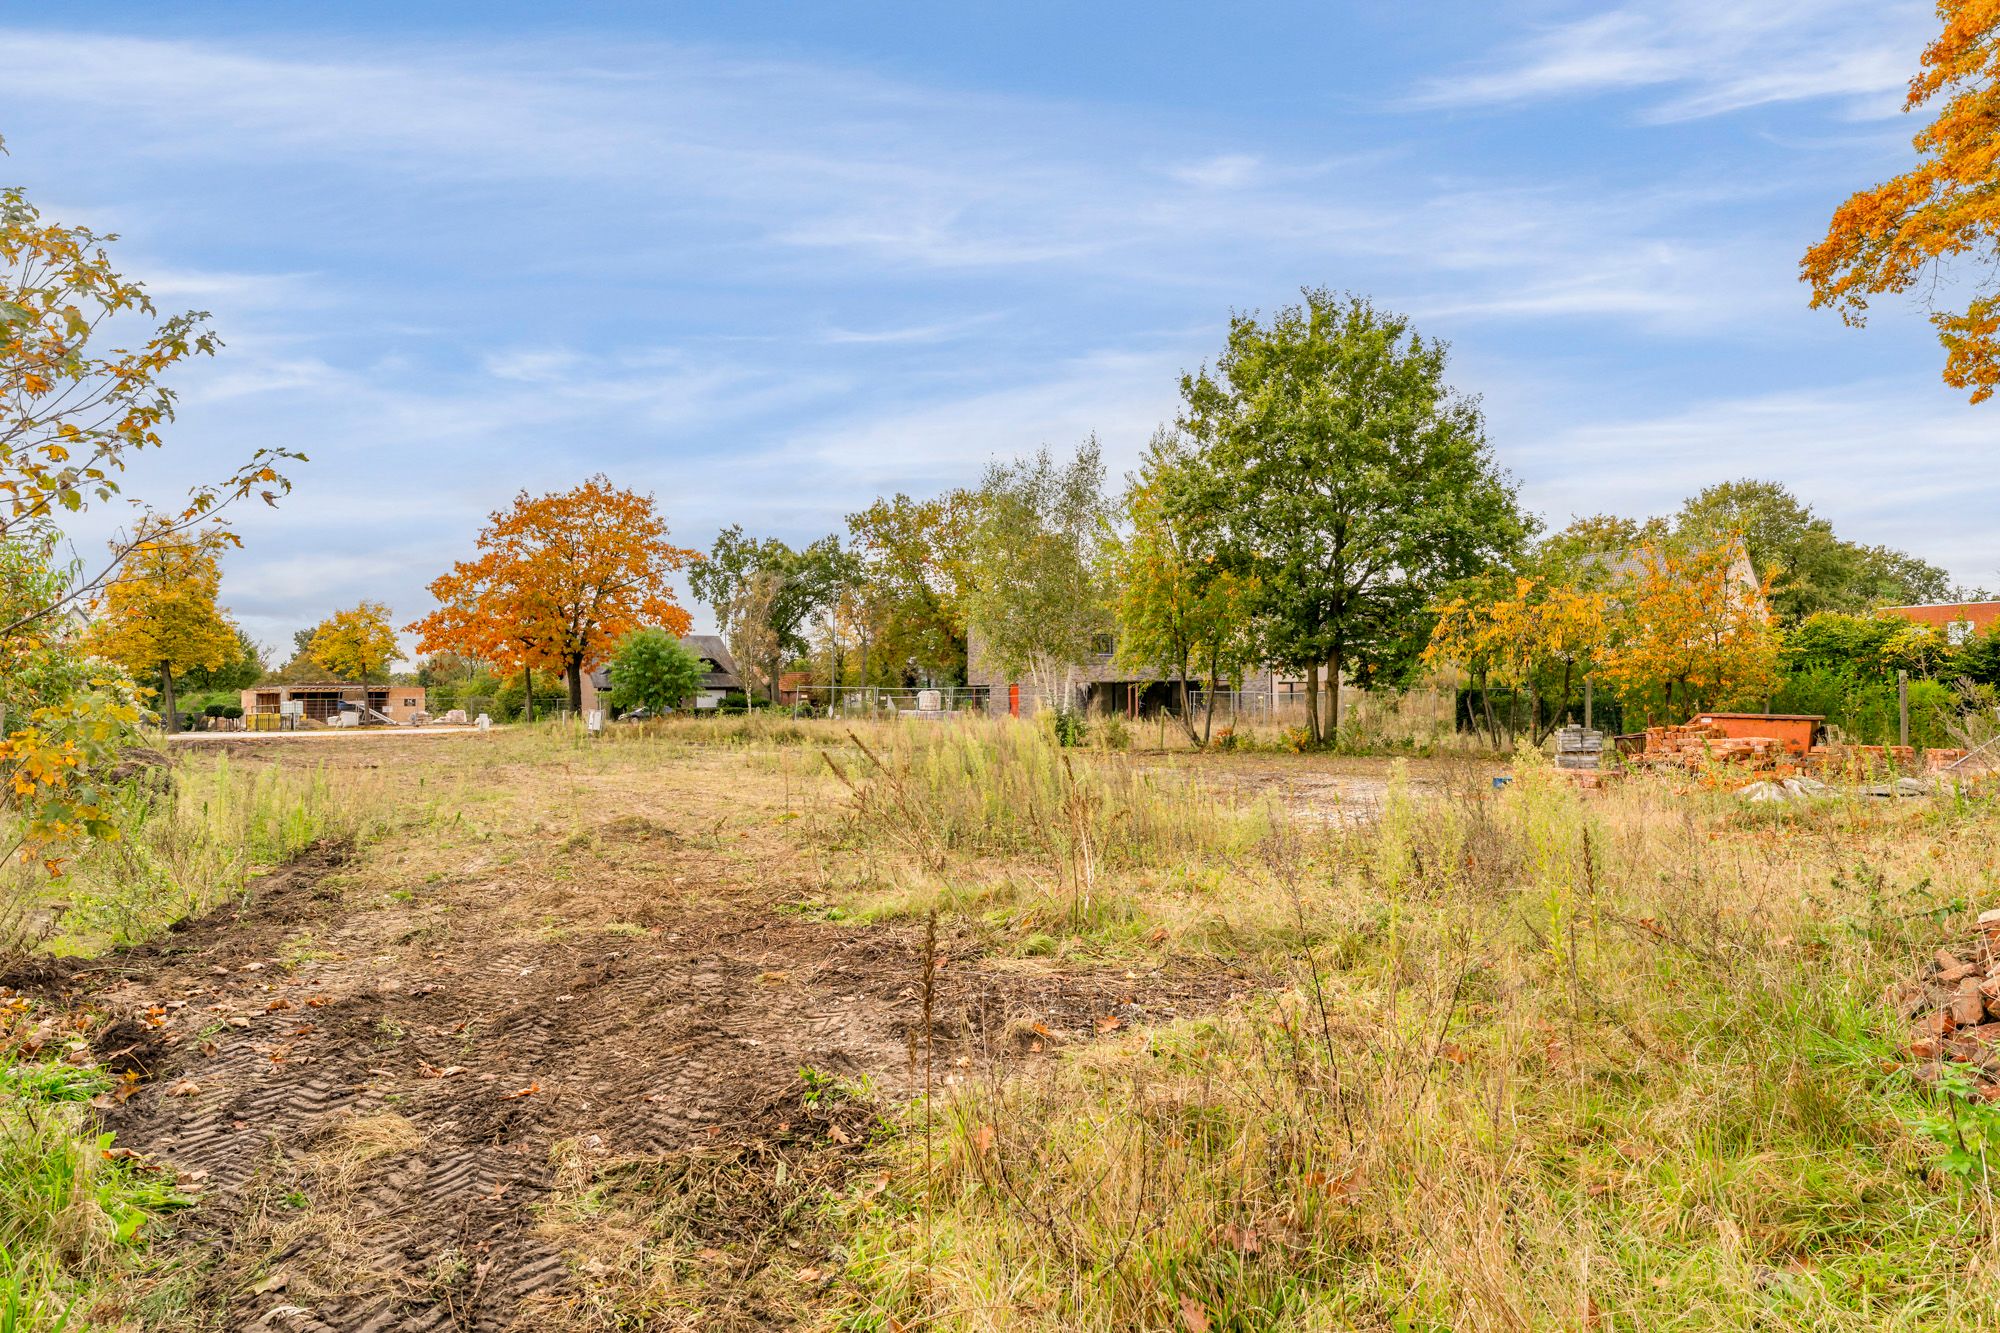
(1586, 703)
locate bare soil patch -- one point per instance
(377, 1080)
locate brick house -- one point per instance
(1959, 620)
(319, 702)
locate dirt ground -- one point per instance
(397, 1074)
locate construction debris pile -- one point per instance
(1954, 1012)
(1699, 743)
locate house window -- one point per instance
(1102, 644)
(409, 703)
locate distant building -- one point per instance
(1959, 620)
(1630, 564)
(719, 675)
(318, 702)
(1105, 687)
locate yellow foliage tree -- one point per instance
(1539, 636)
(355, 644)
(159, 617)
(1689, 634)
(1899, 234)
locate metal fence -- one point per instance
(857, 701)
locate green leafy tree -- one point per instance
(654, 671)
(1180, 611)
(1810, 568)
(911, 594)
(1037, 602)
(1352, 482)
(765, 594)
(243, 668)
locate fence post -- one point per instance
(1903, 708)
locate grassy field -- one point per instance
(944, 1027)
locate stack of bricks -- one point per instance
(1937, 759)
(1858, 763)
(1954, 1012)
(1697, 743)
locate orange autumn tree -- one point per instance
(1690, 634)
(1905, 231)
(558, 581)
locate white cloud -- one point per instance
(1225, 171)
(1708, 57)
(1890, 462)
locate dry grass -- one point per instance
(1534, 1059)
(1546, 1061)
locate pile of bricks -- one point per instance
(1856, 763)
(1954, 1012)
(1696, 743)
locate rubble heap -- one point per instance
(1954, 1012)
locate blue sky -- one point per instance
(771, 261)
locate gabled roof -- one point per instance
(710, 648)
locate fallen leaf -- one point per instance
(184, 1088)
(810, 1275)
(1110, 1023)
(449, 1071)
(528, 1091)
(280, 1003)
(982, 1139)
(1193, 1318)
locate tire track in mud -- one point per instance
(419, 1100)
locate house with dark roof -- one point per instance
(719, 675)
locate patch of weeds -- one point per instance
(1963, 1124)
(76, 1210)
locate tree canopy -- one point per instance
(356, 644)
(1036, 604)
(1181, 611)
(1906, 232)
(558, 581)
(1349, 480)
(158, 618)
(914, 579)
(653, 670)
(764, 594)
(1810, 568)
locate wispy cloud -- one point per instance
(1697, 58)
(1850, 452)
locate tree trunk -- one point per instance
(573, 669)
(1187, 712)
(1333, 696)
(1312, 705)
(528, 693)
(170, 714)
(1208, 716)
